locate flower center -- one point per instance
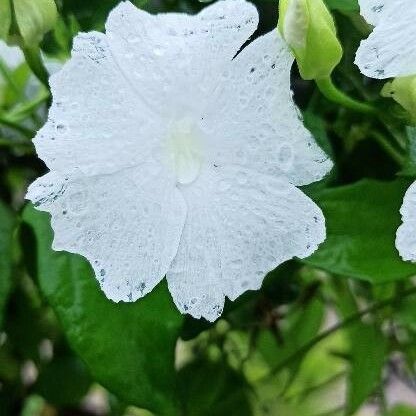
(185, 148)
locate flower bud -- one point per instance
(34, 18)
(5, 19)
(403, 91)
(309, 29)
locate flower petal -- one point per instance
(406, 234)
(390, 50)
(240, 225)
(127, 225)
(96, 124)
(256, 122)
(372, 10)
(175, 60)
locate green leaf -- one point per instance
(362, 220)
(34, 19)
(5, 19)
(343, 5)
(128, 347)
(7, 225)
(209, 388)
(402, 410)
(368, 351)
(301, 326)
(409, 168)
(74, 381)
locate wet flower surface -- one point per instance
(390, 50)
(171, 152)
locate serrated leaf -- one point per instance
(362, 220)
(128, 347)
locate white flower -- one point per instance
(390, 50)
(169, 157)
(406, 235)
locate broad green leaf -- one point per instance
(368, 351)
(74, 381)
(7, 224)
(27, 334)
(343, 5)
(209, 388)
(128, 347)
(5, 18)
(34, 18)
(362, 220)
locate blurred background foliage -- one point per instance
(332, 335)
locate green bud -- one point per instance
(34, 18)
(403, 91)
(5, 19)
(309, 29)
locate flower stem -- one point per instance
(388, 148)
(298, 354)
(16, 126)
(330, 91)
(29, 107)
(34, 60)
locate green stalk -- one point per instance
(332, 93)
(388, 148)
(28, 133)
(298, 354)
(34, 60)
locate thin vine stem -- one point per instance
(341, 325)
(28, 133)
(334, 94)
(34, 60)
(388, 148)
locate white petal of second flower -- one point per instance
(406, 234)
(372, 10)
(127, 225)
(390, 50)
(240, 225)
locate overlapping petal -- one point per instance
(390, 50)
(127, 224)
(240, 225)
(96, 123)
(255, 122)
(174, 61)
